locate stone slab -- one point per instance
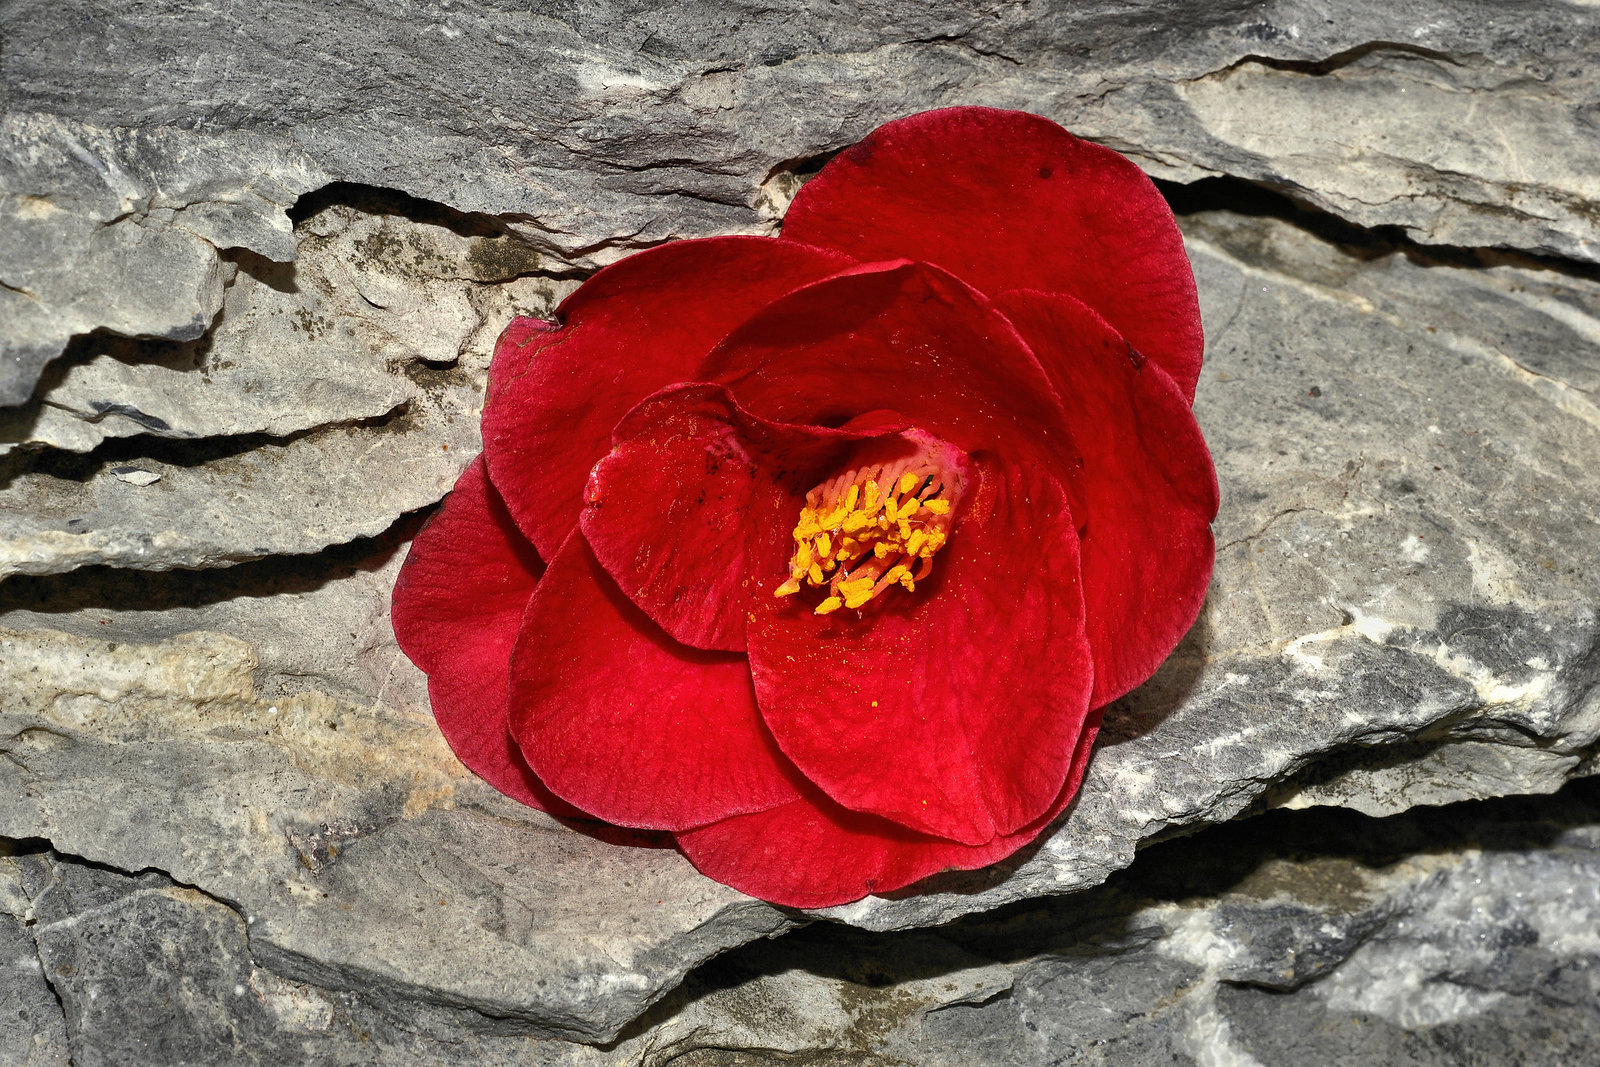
(591, 130)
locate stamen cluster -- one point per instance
(869, 529)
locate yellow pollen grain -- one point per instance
(937, 506)
(851, 497)
(882, 549)
(907, 482)
(833, 603)
(873, 498)
(916, 542)
(824, 544)
(814, 572)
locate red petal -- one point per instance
(621, 720)
(691, 512)
(905, 337)
(1008, 200)
(952, 709)
(1150, 490)
(457, 605)
(811, 853)
(640, 324)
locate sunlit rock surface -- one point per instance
(251, 269)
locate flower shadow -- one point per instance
(1147, 707)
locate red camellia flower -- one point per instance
(823, 552)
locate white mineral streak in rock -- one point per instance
(1191, 939)
(1454, 923)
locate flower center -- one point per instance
(875, 526)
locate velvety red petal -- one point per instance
(1008, 200)
(952, 709)
(1149, 487)
(903, 337)
(645, 322)
(626, 723)
(691, 511)
(812, 853)
(456, 609)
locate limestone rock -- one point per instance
(360, 852)
(1321, 936)
(591, 129)
(118, 228)
(1380, 634)
(334, 395)
(275, 245)
(35, 1034)
(1437, 938)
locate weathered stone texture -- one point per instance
(592, 128)
(252, 265)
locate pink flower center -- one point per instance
(877, 525)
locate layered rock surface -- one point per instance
(260, 266)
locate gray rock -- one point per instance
(385, 326)
(1445, 649)
(592, 129)
(1341, 943)
(1404, 611)
(374, 303)
(35, 1033)
(117, 227)
(152, 972)
(326, 822)
(1444, 936)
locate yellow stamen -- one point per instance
(850, 523)
(873, 498)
